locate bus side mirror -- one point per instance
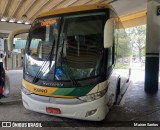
(109, 33)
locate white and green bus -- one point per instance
(70, 62)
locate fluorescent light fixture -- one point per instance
(12, 20)
(27, 22)
(20, 21)
(4, 19)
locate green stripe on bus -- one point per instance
(63, 91)
(80, 91)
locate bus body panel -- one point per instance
(77, 111)
(76, 101)
(74, 9)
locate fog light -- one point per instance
(89, 113)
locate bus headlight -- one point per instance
(25, 91)
(92, 97)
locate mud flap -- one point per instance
(111, 100)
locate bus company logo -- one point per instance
(40, 90)
(6, 124)
(53, 84)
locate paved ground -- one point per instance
(136, 106)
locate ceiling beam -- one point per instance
(134, 19)
(134, 15)
(0, 9)
(81, 2)
(108, 1)
(57, 4)
(48, 9)
(87, 1)
(6, 7)
(14, 12)
(7, 27)
(102, 1)
(29, 6)
(70, 3)
(38, 9)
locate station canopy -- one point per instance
(25, 11)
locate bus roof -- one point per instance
(74, 9)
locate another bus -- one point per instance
(74, 64)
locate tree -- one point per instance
(137, 37)
(123, 47)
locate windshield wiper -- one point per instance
(51, 55)
(43, 68)
(69, 72)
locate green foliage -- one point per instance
(137, 38)
(123, 47)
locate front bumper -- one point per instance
(76, 111)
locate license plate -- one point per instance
(53, 110)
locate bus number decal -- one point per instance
(40, 90)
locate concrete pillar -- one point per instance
(9, 61)
(14, 61)
(152, 47)
(19, 61)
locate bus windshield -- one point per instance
(65, 48)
